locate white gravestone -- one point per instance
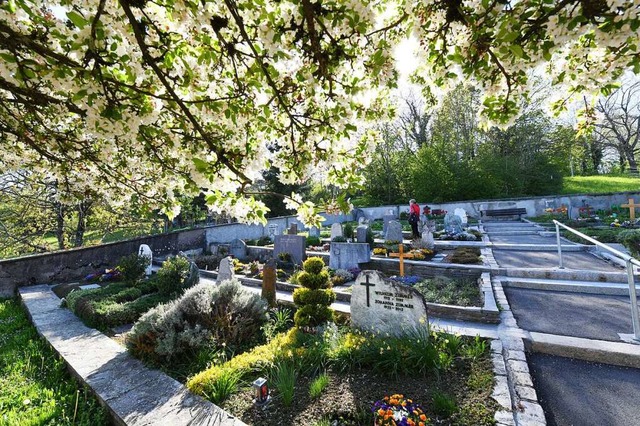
(272, 230)
(145, 251)
(348, 255)
(225, 270)
(385, 306)
(336, 230)
(386, 218)
(452, 223)
(394, 231)
(238, 249)
(462, 214)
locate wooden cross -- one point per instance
(401, 255)
(367, 284)
(632, 208)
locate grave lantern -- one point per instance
(261, 391)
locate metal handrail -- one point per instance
(629, 260)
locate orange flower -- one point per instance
(423, 417)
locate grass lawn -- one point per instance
(35, 386)
(599, 184)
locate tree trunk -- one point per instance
(84, 208)
(633, 164)
(60, 225)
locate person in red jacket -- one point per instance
(414, 217)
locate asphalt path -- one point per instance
(580, 393)
(589, 316)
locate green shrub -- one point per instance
(173, 275)
(279, 320)
(207, 262)
(309, 316)
(348, 230)
(284, 381)
(313, 265)
(465, 255)
(225, 386)
(313, 241)
(307, 296)
(204, 315)
(263, 241)
(132, 267)
(631, 240)
(339, 239)
(314, 281)
(444, 405)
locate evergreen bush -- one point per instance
(132, 267)
(315, 296)
(205, 315)
(174, 276)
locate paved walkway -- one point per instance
(575, 325)
(135, 394)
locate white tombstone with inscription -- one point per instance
(272, 230)
(385, 306)
(145, 251)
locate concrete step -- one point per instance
(511, 232)
(539, 247)
(589, 287)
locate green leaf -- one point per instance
(77, 19)
(516, 50)
(511, 37)
(201, 165)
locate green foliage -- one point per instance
(132, 267)
(207, 262)
(312, 315)
(314, 281)
(475, 349)
(204, 315)
(264, 241)
(599, 184)
(173, 276)
(284, 257)
(347, 230)
(283, 378)
(37, 388)
(443, 404)
(631, 240)
(313, 241)
(465, 255)
(279, 320)
(225, 386)
(318, 385)
(449, 291)
(307, 296)
(313, 265)
(339, 239)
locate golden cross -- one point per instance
(632, 208)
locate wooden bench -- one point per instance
(505, 212)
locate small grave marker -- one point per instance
(402, 256)
(336, 230)
(238, 249)
(225, 270)
(145, 251)
(632, 208)
(293, 229)
(394, 231)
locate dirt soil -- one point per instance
(348, 399)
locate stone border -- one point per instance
(133, 393)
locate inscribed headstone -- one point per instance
(394, 231)
(238, 249)
(462, 214)
(336, 230)
(225, 270)
(293, 229)
(348, 255)
(427, 234)
(145, 251)
(272, 230)
(386, 306)
(361, 233)
(295, 245)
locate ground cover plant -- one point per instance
(360, 369)
(450, 291)
(464, 255)
(122, 303)
(35, 386)
(598, 184)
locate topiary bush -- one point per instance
(132, 267)
(205, 315)
(315, 296)
(175, 275)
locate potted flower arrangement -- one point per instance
(395, 410)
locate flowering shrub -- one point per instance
(407, 280)
(380, 251)
(397, 411)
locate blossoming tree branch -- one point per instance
(150, 99)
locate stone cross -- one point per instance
(632, 208)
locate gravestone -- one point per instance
(238, 249)
(272, 230)
(269, 282)
(314, 232)
(462, 214)
(361, 233)
(348, 255)
(386, 218)
(394, 231)
(145, 251)
(295, 245)
(427, 239)
(385, 306)
(225, 270)
(336, 231)
(293, 229)
(359, 215)
(452, 223)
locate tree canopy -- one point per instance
(156, 99)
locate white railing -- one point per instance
(629, 260)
